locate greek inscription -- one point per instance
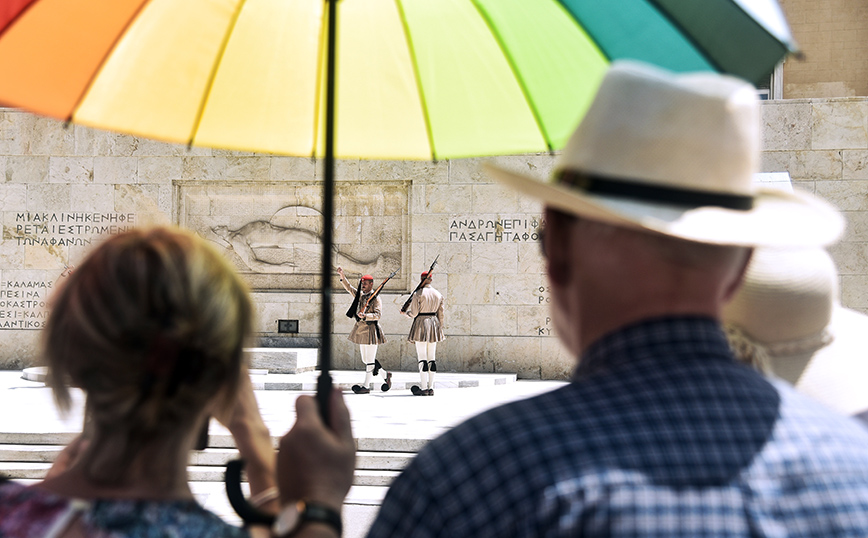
(545, 328)
(68, 229)
(516, 230)
(23, 304)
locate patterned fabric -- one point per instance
(426, 309)
(31, 512)
(661, 434)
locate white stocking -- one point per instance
(432, 350)
(369, 357)
(422, 354)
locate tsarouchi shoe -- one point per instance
(358, 389)
(388, 384)
(417, 391)
(429, 392)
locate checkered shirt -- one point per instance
(661, 434)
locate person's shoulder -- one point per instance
(820, 431)
(12, 492)
(182, 519)
(507, 427)
(28, 510)
(195, 521)
(9, 489)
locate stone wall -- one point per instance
(823, 144)
(833, 38)
(62, 188)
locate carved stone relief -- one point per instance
(272, 232)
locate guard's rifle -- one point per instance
(419, 287)
(377, 292)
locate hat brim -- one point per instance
(836, 373)
(778, 218)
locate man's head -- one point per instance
(425, 278)
(652, 208)
(367, 283)
(603, 277)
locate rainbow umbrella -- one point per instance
(393, 79)
(415, 79)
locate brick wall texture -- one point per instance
(833, 38)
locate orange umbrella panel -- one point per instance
(52, 49)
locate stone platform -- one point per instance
(389, 428)
(343, 379)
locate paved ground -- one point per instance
(377, 418)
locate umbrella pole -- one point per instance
(324, 383)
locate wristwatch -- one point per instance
(293, 516)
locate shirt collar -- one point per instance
(673, 337)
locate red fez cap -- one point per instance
(424, 275)
(368, 277)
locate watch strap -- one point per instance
(321, 514)
(306, 512)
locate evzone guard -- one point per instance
(425, 307)
(366, 309)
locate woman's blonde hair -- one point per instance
(151, 326)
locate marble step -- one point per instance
(371, 461)
(218, 441)
(273, 378)
(37, 470)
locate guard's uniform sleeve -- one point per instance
(415, 304)
(374, 310)
(347, 286)
(440, 310)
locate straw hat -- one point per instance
(675, 154)
(786, 320)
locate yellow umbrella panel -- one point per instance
(415, 79)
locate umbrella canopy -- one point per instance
(415, 79)
(379, 79)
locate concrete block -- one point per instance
(282, 360)
(855, 164)
(839, 124)
(494, 258)
(486, 197)
(70, 169)
(114, 170)
(786, 126)
(12, 197)
(28, 169)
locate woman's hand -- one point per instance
(315, 462)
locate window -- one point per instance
(773, 86)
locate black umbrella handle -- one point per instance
(246, 511)
(323, 396)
